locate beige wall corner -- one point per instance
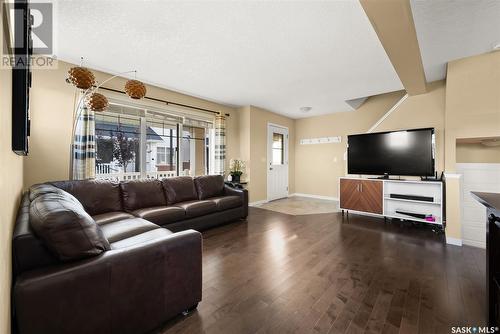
(472, 111)
(259, 118)
(393, 23)
(318, 167)
(422, 111)
(52, 104)
(472, 101)
(11, 185)
(244, 140)
(453, 195)
(477, 153)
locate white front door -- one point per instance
(277, 162)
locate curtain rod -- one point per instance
(165, 101)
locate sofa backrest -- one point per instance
(179, 189)
(209, 186)
(96, 196)
(67, 230)
(31, 251)
(138, 194)
(28, 251)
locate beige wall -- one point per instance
(393, 23)
(472, 101)
(52, 104)
(467, 106)
(244, 139)
(477, 153)
(253, 123)
(318, 167)
(472, 111)
(257, 150)
(11, 184)
(422, 111)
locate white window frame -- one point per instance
(179, 116)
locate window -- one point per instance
(161, 141)
(161, 155)
(278, 149)
(117, 144)
(194, 159)
(133, 143)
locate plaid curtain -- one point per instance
(84, 146)
(220, 144)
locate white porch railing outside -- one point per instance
(133, 175)
(103, 168)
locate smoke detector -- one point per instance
(305, 109)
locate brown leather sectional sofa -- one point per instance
(106, 257)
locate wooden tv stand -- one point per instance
(373, 197)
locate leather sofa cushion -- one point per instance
(179, 189)
(161, 215)
(142, 238)
(226, 202)
(138, 194)
(110, 217)
(197, 208)
(41, 189)
(66, 229)
(96, 196)
(209, 186)
(126, 228)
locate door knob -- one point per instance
(270, 168)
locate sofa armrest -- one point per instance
(243, 193)
(129, 290)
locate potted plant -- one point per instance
(236, 169)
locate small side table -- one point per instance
(237, 185)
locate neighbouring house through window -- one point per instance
(133, 143)
(278, 149)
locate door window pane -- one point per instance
(278, 149)
(117, 144)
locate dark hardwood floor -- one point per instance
(279, 273)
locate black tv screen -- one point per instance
(409, 152)
(21, 77)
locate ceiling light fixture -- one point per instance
(305, 109)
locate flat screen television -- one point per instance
(408, 152)
(21, 77)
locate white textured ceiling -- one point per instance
(453, 29)
(277, 55)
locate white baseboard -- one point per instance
(454, 241)
(257, 203)
(328, 198)
(474, 243)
